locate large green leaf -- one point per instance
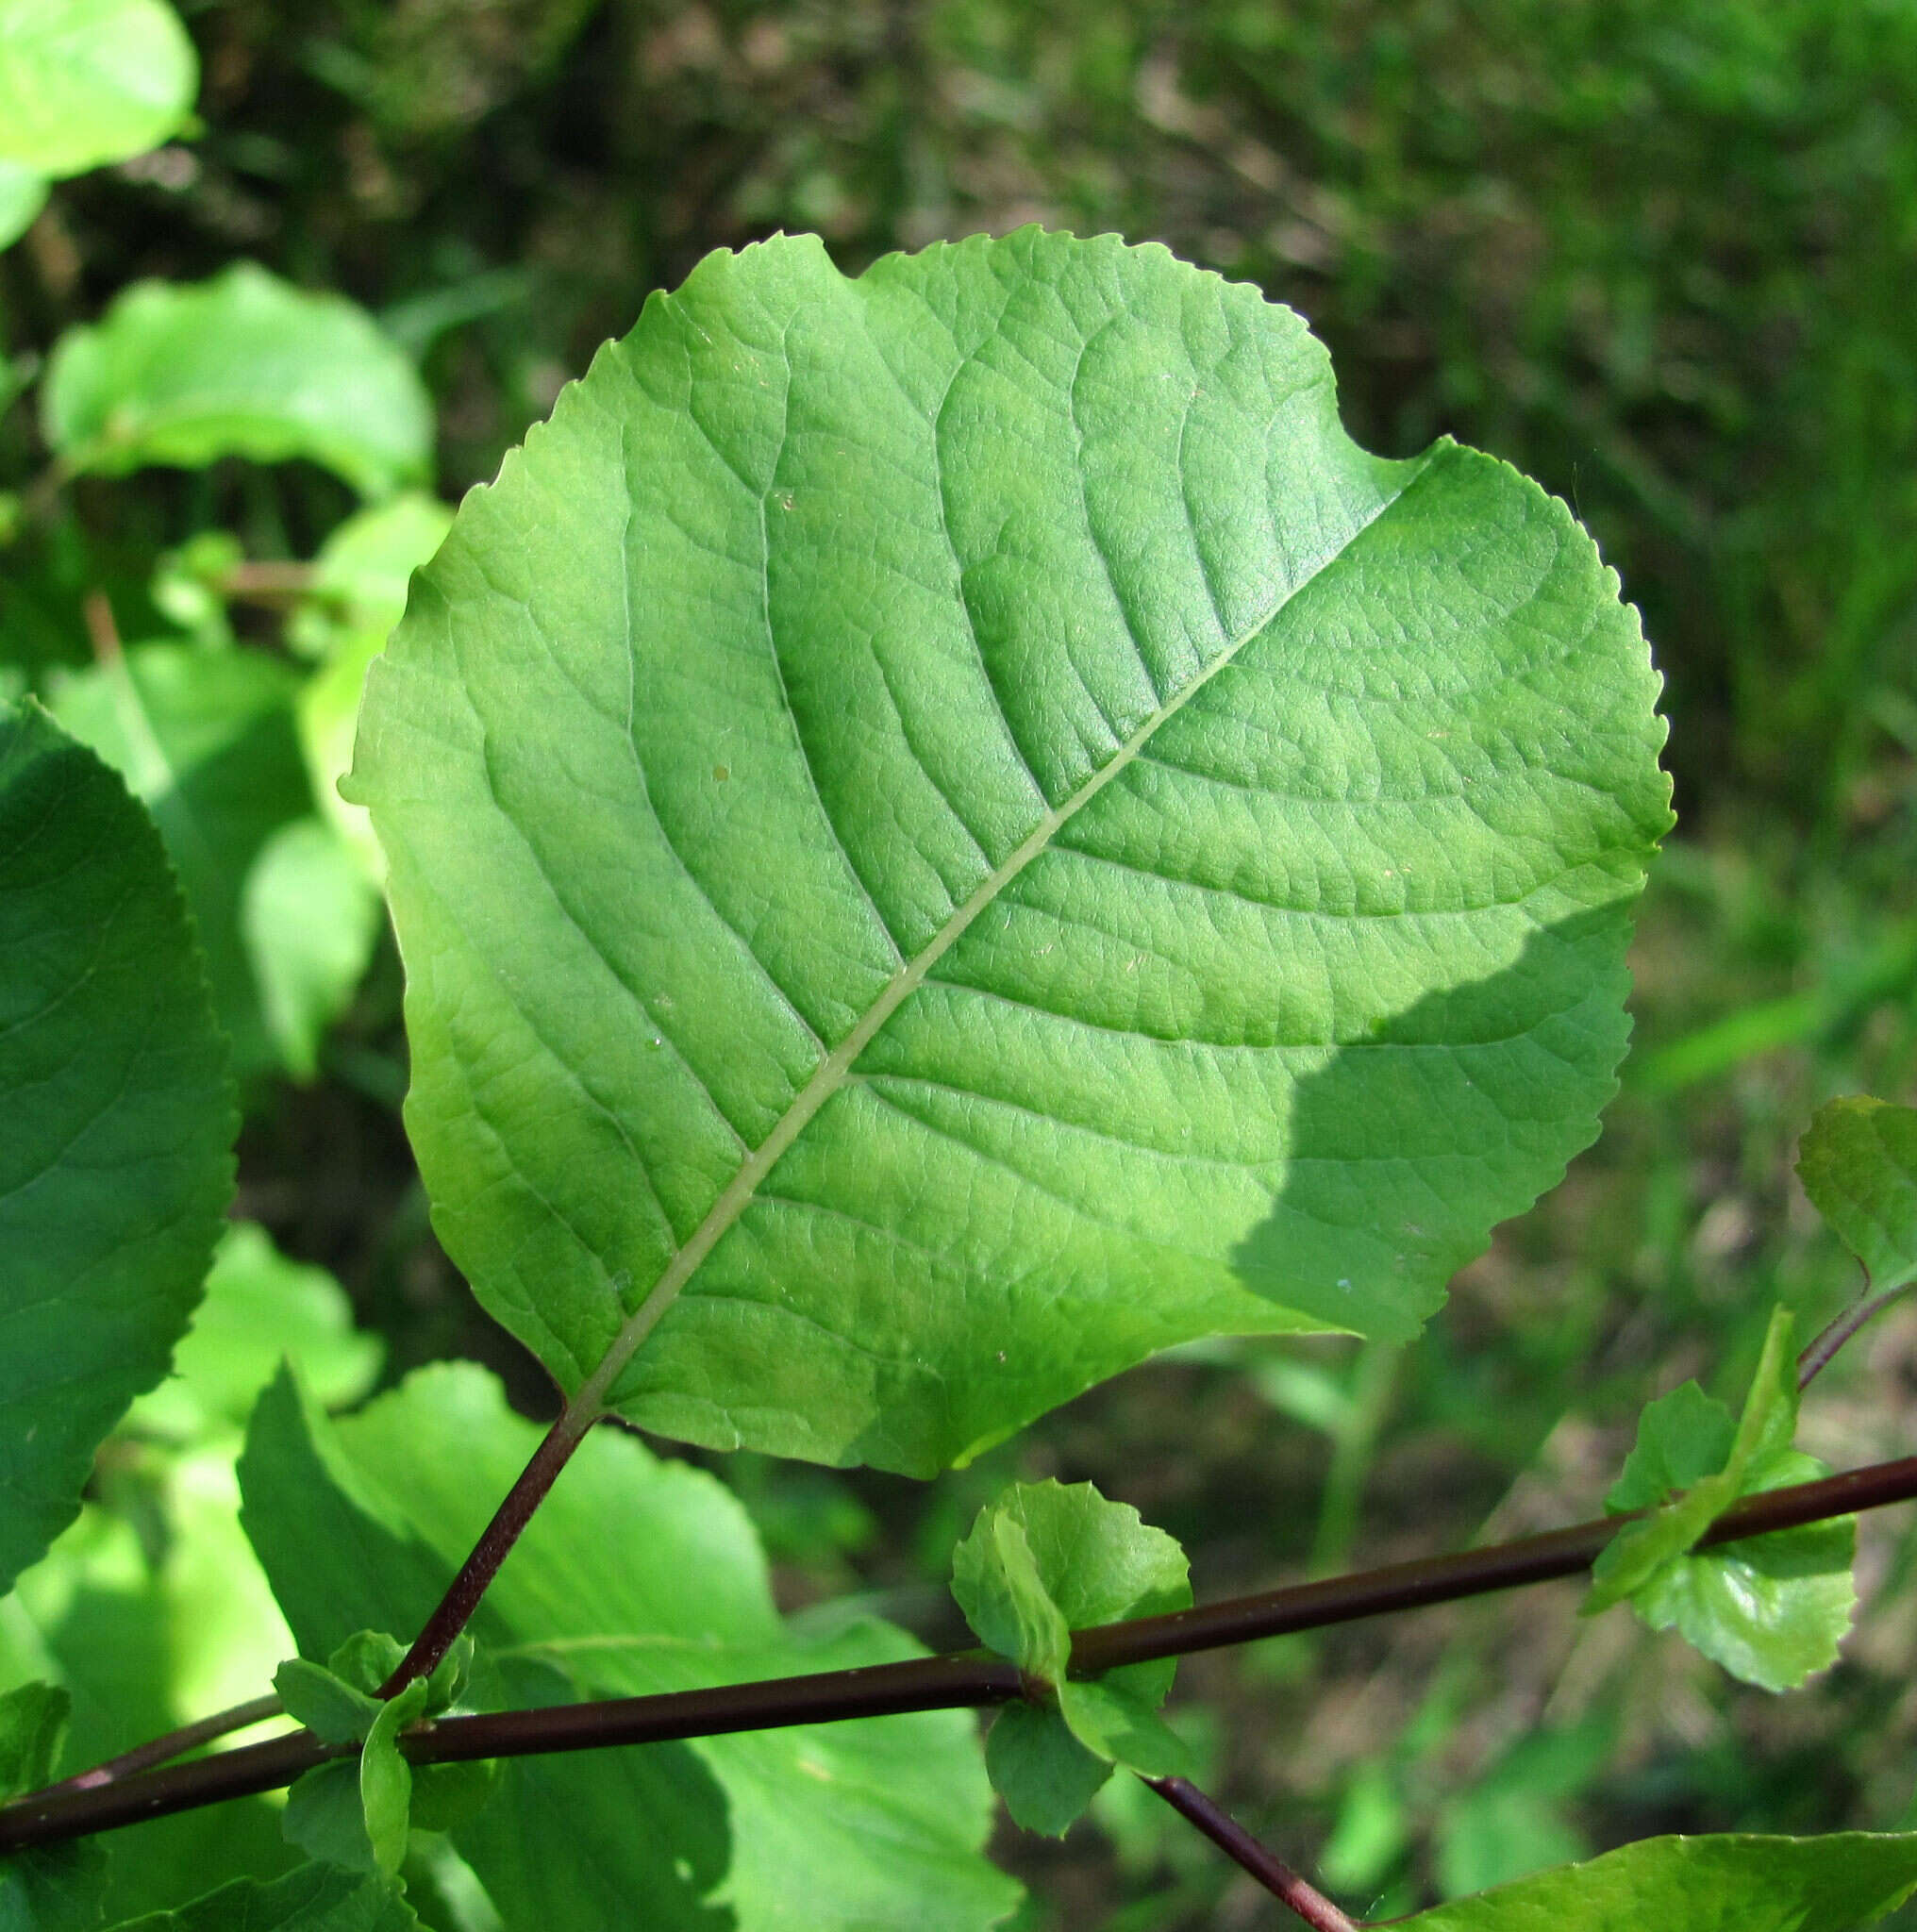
(118, 1122)
(207, 738)
(1859, 1165)
(635, 1577)
(950, 831)
(84, 82)
(241, 365)
(1729, 1884)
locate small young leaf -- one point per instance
(386, 1778)
(1096, 1561)
(1044, 1775)
(115, 1163)
(241, 365)
(1110, 1718)
(450, 1676)
(84, 82)
(366, 1659)
(996, 1580)
(313, 1898)
(1840, 1883)
(1858, 1164)
(1042, 1560)
(335, 1711)
(33, 1727)
(1771, 1609)
(325, 1817)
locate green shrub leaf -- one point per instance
(1858, 1164)
(325, 1817)
(308, 920)
(314, 1898)
(33, 1728)
(115, 1161)
(206, 739)
(259, 1308)
(84, 82)
(634, 1576)
(1772, 1610)
(1042, 1560)
(335, 1710)
(241, 365)
(1044, 1775)
(951, 831)
(1840, 1883)
(386, 1778)
(22, 195)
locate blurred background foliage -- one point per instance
(1657, 253)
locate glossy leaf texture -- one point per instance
(1858, 1164)
(115, 1142)
(634, 1576)
(1733, 1883)
(1772, 1610)
(84, 82)
(244, 365)
(950, 831)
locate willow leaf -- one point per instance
(950, 831)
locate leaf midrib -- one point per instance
(831, 1072)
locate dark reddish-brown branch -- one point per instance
(935, 1683)
(1238, 1844)
(1470, 1572)
(463, 1593)
(173, 1744)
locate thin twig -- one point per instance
(967, 1679)
(102, 633)
(173, 1744)
(463, 1593)
(42, 493)
(1833, 1338)
(1238, 1844)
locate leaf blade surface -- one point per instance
(902, 788)
(115, 1160)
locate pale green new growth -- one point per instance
(245, 365)
(1040, 1562)
(1772, 1610)
(950, 831)
(84, 82)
